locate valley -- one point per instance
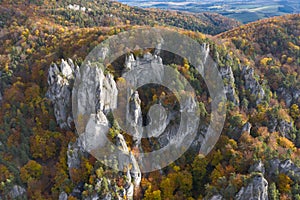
(243, 11)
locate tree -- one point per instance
(167, 188)
(152, 195)
(31, 171)
(199, 172)
(294, 111)
(284, 183)
(273, 192)
(4, 173)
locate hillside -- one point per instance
(257, 154)
(272, 46)
(109, 13)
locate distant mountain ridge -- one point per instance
(243, 11)
(108, 13)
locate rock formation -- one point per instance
(286, 167)
(60, 81)
(229, 84)
(252, 85)
(17, 192)
(98, 91)
(258, 167)
(257, 189)
(289, 95)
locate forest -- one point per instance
(264, 60)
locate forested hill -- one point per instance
(272, 46)
(108, 13)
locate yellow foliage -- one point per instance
(37, 32)
(295, 112)
(31, 171)
(289, 60)
(293, 46)
(286, 143)
(265, 61)
(284, 183)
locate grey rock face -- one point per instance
(285, 128)
(74, 153)
(60, 81)
(63, 196)
(290, 95)
(258, 167)
(205, 50)
(286, 167)
(229, 83)
(216, 197)
(129, 62)
(17, 191)
(257, 189)
(107, 197)
(134, 174)
(282, 126)
(134, 116)
(252, 84)
(148, 69)
(98, 92)
(296, 96)
(158, 121)
(130, 191)
(247, 127)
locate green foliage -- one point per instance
(273, 192)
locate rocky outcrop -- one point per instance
(129, 62)
(289, 95)
(97, 94)
(286, 128)
(257, 189)
(74, 153)
(216, 197)
(286, 167)
(134, 117)
(252, 85)
(63, 196)
(281, 125)
(17, 192)
(247, 127)
(158, 121)
(258, 167)
(146, 69)
(60, 81)
(229, 84)
(133, 173)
